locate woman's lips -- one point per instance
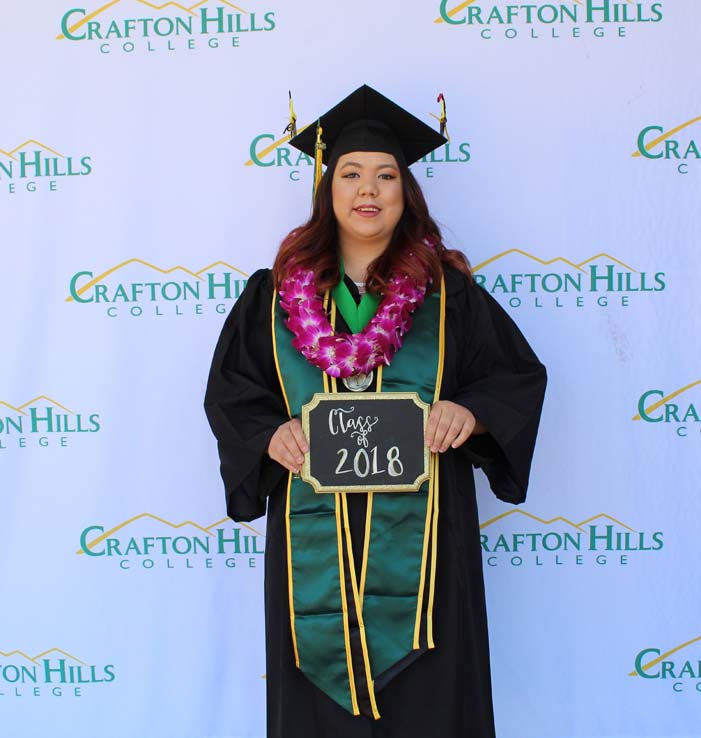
(367, 211)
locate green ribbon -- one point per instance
(357, 316)
(397, 552)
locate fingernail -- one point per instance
(300, 460)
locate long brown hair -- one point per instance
(314, 244)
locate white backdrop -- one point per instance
(138, 189)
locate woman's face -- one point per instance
(368, 199)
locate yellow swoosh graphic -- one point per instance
(274, 145)
(11, 154)
(48, 399)
(21, 408)
(101, 10)
(194, 275)
(170, 4)
(88, 17)
(204, 270)
(192, 7)
(41, 655)
(241, 525)
(607, 517)
(455, 10)
(604, 255)
(12, 407)
(656, 661)
(551, 261)
(666, 399)
(665, 136)
(18, 653)
(206, 531)
(578, 526)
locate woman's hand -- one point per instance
(450, 425)
(288, 445)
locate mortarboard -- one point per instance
(367, 121)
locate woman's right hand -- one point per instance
(288, 445)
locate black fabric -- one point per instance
(489, 368)
(368, 121)
(366, 135)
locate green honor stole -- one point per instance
(349, 632)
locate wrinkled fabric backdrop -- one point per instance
(144, 173)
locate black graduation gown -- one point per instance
(490, 369)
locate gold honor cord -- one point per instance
(368, 517)
(434, 554)
(424, 557)
(435, 474)
(339, 525)
(344, 602)
(358, 608)
(431, 527)
(288, 535)
(357, 597)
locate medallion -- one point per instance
(358, 382)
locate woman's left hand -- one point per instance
(449, 425)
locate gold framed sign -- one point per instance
(370, 442)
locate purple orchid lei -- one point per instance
(343, 355)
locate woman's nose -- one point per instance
(367, 186)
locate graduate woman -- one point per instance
(374, 602)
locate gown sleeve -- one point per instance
(244, 403)
(501, 381)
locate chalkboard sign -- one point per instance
(372, 442)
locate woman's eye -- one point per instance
(387, 176)
(350, 175)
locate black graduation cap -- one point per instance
(368, 121)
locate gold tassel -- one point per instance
(318, 156)
(443, 120)
(291, 127)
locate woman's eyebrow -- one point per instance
(356, 164)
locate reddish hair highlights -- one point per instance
(314, 245)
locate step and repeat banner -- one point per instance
(145, 172)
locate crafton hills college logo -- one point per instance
(522, 279)
(33, 166)
(129, 26)
(541, 20)
(51, 673)
(679, 410)
(522, 540)
(678, 668)
(676, 145)
(149, 542)
(42, 422)
(136, 288)
(266, 151)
